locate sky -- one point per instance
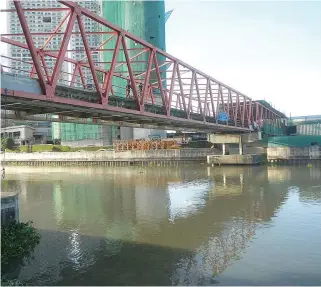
(265, 49)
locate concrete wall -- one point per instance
(246, 138)
(220, 139)
(234, 159)
(84, 143)
(9, 207)
(182, 154)
(251, 137)
(310, 152)
(253, 150)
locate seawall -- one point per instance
(107, 157)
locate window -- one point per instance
(16, 134)
(46, 19)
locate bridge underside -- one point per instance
(31, 106)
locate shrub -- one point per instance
(17, 241)
(57, 141)
(11, 282)
(7, 143)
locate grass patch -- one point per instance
(44, 148)
(56, 148)
(91, 148)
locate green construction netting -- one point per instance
(272, 129)
(144, 19)
(73, 132)
(292, 141)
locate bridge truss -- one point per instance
(93, 81)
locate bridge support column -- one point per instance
(241, 146)
(223, 148)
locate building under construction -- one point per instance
(146, 20)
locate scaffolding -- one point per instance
(144, 144)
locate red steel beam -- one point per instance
(89, 58)
(130, 70)
(172, 87)
(212, 99)
(146, 80)
(31, 46)
(190, 95)
(198, 97)
(159, 80)
(111, 70)
(181, 88)
(62, 51)
(205, 101)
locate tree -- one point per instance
(7, 143)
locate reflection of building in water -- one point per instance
(279, 174)
(305, 180)
(151, 205)
(214, 256)
(100, 211)
(58, 202)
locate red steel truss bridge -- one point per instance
(112, 77)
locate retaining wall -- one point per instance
(235, 159)
(9, 207)
(163, 155)
(309, 152)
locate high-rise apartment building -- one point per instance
(37, 22)
(47, 22)
(145, 19)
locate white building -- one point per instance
(28, 134)
(21, 135)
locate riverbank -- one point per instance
(272, 155)
(108, 157)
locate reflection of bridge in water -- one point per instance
(157, 207)
(306, 180)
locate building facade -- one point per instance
(47, 22)
(21, 135)
(145, 19)
(38, 22)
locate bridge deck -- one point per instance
(23, 94)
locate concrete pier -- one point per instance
(9, 207)
(235, 159)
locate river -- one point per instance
(181, 225)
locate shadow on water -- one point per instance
(111, 262)
(148, 226)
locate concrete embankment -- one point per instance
(107, 157)
(9, 207)
(235, 159)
